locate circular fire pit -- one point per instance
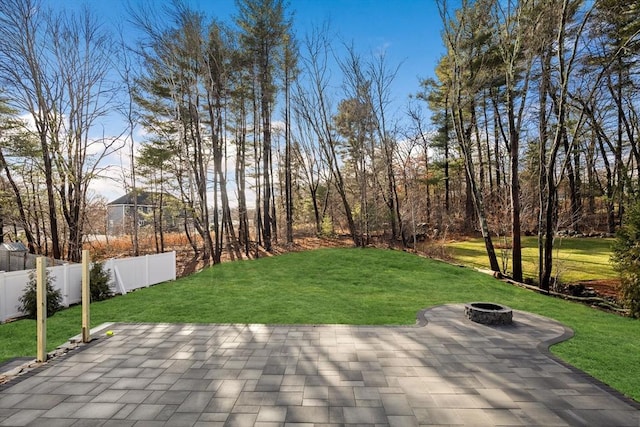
(488, 313)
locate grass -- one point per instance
(576, 259)
(348, 286)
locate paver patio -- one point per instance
(445, 371)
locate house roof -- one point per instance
(13, 247)
(144, 198)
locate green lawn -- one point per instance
(575, 259)
(348, 286)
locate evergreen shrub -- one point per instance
(29, 300)
(99, 282)
(626, 259)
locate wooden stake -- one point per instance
(86, 297)
(41, 308)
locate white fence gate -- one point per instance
(127, 274)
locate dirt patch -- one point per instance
(603, 287)
(187, 263)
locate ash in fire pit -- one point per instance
(488, 313)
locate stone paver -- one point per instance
(445, 371)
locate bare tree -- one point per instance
(125, 69)
(314, 105)
(511, 37)
(54, 67)
(308, 156)
(382, 76)
(290, 72)
(12, 144)
(558, 16)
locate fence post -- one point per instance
(173, 263)
(146, 271)
(86, 297)
(3, 298)
(41, 309)
(108, 267)
(65, 283)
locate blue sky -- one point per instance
(407, 30)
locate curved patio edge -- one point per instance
(544, 346)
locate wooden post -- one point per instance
(41, 308)
(86, 297)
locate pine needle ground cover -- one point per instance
(348, 286)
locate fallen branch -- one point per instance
(601, 302)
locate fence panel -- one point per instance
(161, 267)
(68, 279)
(12, 287)
(130, 273)
(127, 274)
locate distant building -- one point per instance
(13, 256)
(120, 211)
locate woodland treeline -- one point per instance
(259, 133)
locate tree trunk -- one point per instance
(161, 215)
(487, 141)
(243, 227)
(340, 186)
(21, 210)
(156, 228)
(190, 239)
(288, 189)
(258, 185)
(514, 146)
(316, 209)
(543, 218)
(550, 213)
(428, 189)
(217, 227)
(266, 168)
(201, 186)
(274, 216)
(447, 203)
(53, 216)
(621, 178)
(464, 141)
(394, 200)
(469, 207)
(232, 241)
(591, 175)
(479, 204)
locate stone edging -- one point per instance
(30, 367)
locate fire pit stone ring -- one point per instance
(488, 313)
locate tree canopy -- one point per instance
(528, 126)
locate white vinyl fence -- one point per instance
(127, 274)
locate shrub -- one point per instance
(327, 227)
(626, 259)
(29, 301)
(99, 282)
